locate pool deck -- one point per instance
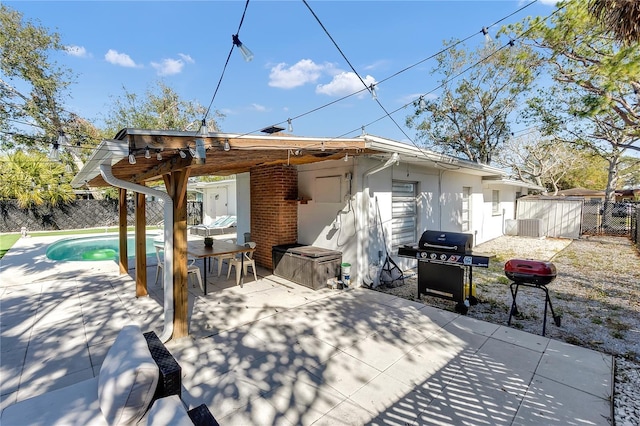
(274, 352)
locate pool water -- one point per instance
(102, 247)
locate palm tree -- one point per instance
(619, 17)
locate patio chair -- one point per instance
(192, 268)
(247, 261)
(220, 259)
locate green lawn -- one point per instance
(8, 240)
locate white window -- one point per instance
(465, 213)
(404, 215)
(495, 202)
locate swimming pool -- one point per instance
(101, 247)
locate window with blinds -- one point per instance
(404, 222)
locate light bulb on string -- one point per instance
(132, 157)
(487, 36)
(226, 145)
(54, 153)
(147, 153)
(372, 89)
(246, 53)
(192, 151)
(182, 154)
(422, 103)
(346, 157)
(159, 155)
(290, 128)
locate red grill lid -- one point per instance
(530, 271)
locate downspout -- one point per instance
(365, 212)
(107, 175)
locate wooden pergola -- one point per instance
(165, 155)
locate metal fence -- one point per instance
(82, 214)
(600, 218)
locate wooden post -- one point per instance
(176, 184)
(141, 246)
(122, 231)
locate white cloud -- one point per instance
(186, 58)
(122, 59)
(259, 108)
(377, 65)
(303, 72)
(549, 2)
(168, 66)
(344, 84)
(78, 51)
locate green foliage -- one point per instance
(32, 179)
(24, 51)
(159, 108)
(480, 89)
(593, 100)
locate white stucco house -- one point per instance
(218, 198)
(357, 204)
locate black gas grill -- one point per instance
(445, 263)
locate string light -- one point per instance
(159, 155)
(226, 145)
(374, 94)
(346, 157)
(421, 103)
(132, 158)
(54, 154)
(246, 53)
(147, 153)
(290, 128)
(182, 154)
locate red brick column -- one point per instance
(274, 209)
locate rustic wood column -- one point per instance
(141, 246)
(176, 184)
(122, 231)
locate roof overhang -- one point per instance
(248, 151)
(513, 182)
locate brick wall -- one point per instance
(274, 211)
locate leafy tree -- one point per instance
(593, 101)
(160, 108)
(539, 160)
(24, 62)
(32, 179)
(619, 17)
(471, 115)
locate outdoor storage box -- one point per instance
(306, 265)
(537, 272)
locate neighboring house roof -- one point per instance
(581, 192)
(249, 151)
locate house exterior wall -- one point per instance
(218, 199)
(274, 209)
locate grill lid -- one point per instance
(455, 242)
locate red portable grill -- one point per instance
(531, 273)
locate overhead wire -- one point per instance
(224, 68)
(365, 87)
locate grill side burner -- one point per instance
(445, 262)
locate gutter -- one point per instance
(395, 157)
(167, 271)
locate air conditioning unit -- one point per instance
(530, 228)
(511, 227)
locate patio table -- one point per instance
(198, 250)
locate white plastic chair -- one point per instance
(192, 268)
(248, 261)
(220, 259)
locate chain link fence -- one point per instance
(600, 218)
(83, 214)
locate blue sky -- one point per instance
(296, 67)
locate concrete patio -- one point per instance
(274, 352)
